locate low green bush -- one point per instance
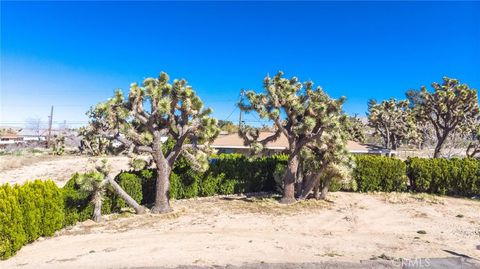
(27, 212)
(379, 173)
(131, 184)
(443, 176)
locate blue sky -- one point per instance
(74, 54)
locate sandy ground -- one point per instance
(238, 230)
(18, 169)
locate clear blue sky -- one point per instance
(74, 54)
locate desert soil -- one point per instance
(18, 169)
(238, 230)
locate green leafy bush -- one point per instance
(131, 184)
(27, 212)
(443, 176)
(379, 173)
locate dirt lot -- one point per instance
(18, 169)
(238, 230)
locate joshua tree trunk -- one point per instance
(128, 199)
(316, 190)
(325, 188)
(162, 199)
(310, 182)
(97, 206)
(438, 148)
(289, 181)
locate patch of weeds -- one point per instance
(383, 257)
(421, 232)
(332, 254)
(459, 216)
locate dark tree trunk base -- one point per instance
(286, 200)
(161, 209)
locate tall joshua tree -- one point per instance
(152, 113)
(300, 112)
(325, 160)
(450, 108)
(392, 120)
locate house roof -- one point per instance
(234, 141)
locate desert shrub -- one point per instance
(148, 179)
(379, 173)
(51, 207)
(131, 184)
(443, 176)
(210, 184)
(227, 186)
(27, 212)
(175, 186)
(12, 234)
(250, 174)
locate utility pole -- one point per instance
(50, 119)
(240, 120)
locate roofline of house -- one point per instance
(282, 148)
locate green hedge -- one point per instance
(27, 212)
(379, 173)
(442, 176)
(40, 208)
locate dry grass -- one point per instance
(268, 205)
(9, 162)
(404, 198)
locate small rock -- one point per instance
(421, 232)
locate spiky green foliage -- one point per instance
(152, 112)
(451, 107)
(300, 112)
(392, 120)
(94, 144)
(472, 137)
(355, 129)
(95, 184)
(326, 161)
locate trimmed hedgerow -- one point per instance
(379, 173)
(443, 176)
(27, 212)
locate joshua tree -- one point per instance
(152, 113)
(59, 144)
(324, 161)
(473, 139)
(450, 108)
(94, 183)
(300, 112)
(392, 120)
(93, 143)
(355, 129)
